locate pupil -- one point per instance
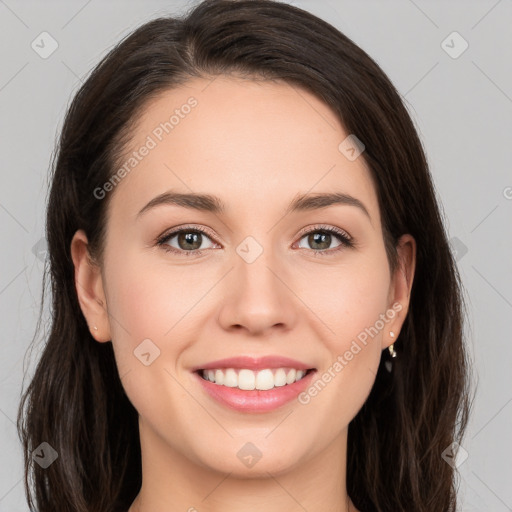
(189, 238)
(322, 238)
(316, 238)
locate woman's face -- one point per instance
(270, 281)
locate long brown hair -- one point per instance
(75, 401)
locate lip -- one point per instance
(255, 401)
(254, 363)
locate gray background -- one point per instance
(462, 107)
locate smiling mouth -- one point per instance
(248, 380)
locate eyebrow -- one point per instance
(213, 204)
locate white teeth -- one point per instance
(264, 380)
(280, 377)
(249, 379)
(246, 379)
(230, 378)
(219, 376)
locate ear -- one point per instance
(89, 288)
(400, 288)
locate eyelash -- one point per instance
(343, 237)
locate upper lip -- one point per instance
(254, 363)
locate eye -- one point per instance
(321, 237)
(189, 241)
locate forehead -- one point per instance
(254, 144)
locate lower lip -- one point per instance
(255, 400)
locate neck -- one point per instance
(171, 481)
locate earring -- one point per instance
(392, 353)
(391, 348)
(95, 328)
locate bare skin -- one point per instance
(255, 145)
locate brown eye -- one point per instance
(187, 241)
(320, 240)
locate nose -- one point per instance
(258, 296)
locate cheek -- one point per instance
(352, 307)
(147, 293)
(134, 300)
(351, 301)
(147, 314)
(145, 302)
(348, 297)
(150, 299)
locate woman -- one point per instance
(254, 301)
